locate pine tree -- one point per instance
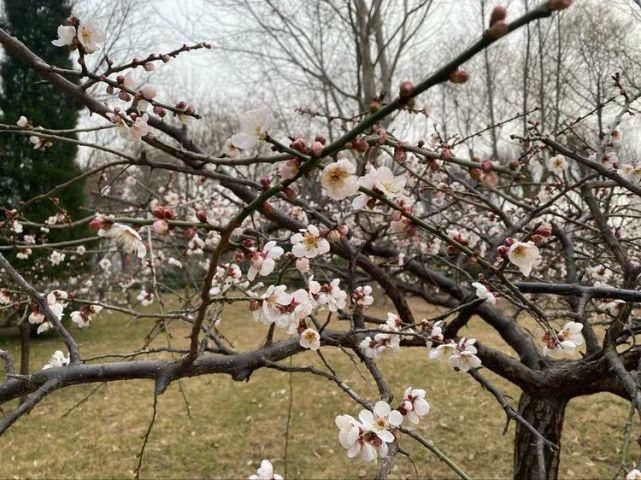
(25, 172)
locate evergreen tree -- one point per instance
(26, 172)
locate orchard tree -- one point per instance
(484, 239)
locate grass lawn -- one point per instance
(232, 426)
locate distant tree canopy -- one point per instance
(27, 172)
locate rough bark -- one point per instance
(532, 461)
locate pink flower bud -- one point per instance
(406, 89)
(502, 251)
(545, 230)
(498, 14)
(487, 165)
(559, 4)
(344, 229)
(360, 145)
(459, 76)
(161, 227)
(317, 149)
(201, 215)
(497, 30)
(334, 235)
(149, 66)
(158, 212)
(321, 139)
(302, 265)
(190, 232)
(509, 241)
(254, 305)
(148, 91)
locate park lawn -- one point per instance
(232, 425)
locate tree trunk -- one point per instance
(533, 460)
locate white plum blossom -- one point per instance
(57, 360)
(633, 475)
(483, 293)
(272, 309)
(40, 143)
(174, 262)
(564, 342)
(367, 181)
(524, 256)
(89, 36)
(23, 253)
(383, 343)
(56, 257)
(310, 339)
(302, 265)
(461, 356)
(414, 405)
(348, 430)
(145, 298)
(382, 420)
(308, 243)
(105, 264)
(5, 297)
(226, 276)
(332, 297)
(386, 183)
(66, 36)
(262, 263)
(465, 357)
(139, 128)
(338, 179)
(84, 316)
(195, 245)
(557, 165)
(22, 122)
(125, 237)
(253, 127)
(631, 173)
(265, 472)
(362, 296)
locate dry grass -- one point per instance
(234, 425)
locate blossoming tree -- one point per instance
(484, 240)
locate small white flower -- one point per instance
(465, 357)
(66, 35)
(105, 264)
(566, 341)
(387, 183)
(348, 430)
(57, 360)
(253, 127)
(631, 173)
(5, 298)
(557, 164)
(81, 250)
(483, 293)
(633, 475)
(271, 310)
(338, 179)
(195, 245)
(145, 298)
(310, 339)
(23, 253)
(84, 316)
(262, 263)
(414, 405)
(139, 128)
(362, 296)
(381, 421)
(265, 472)
(22, 122)
(56, 257)
(308, 243)
(89, 36)
(174, 262)
(524, 256)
